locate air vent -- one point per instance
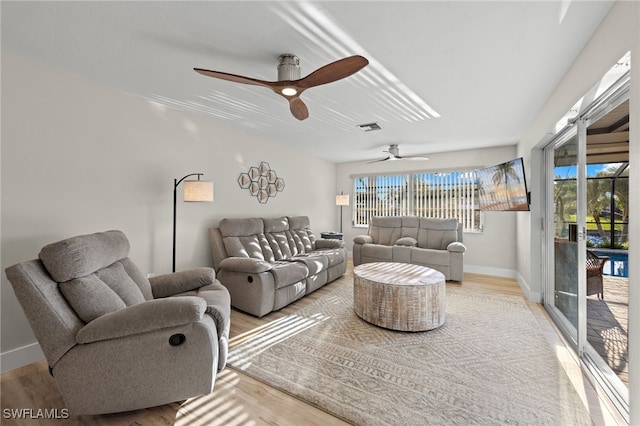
(369, 127)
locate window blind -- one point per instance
(437, 195)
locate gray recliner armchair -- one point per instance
(115, 340)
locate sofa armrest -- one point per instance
(143, 318)
(179, 282)
(363, 239)
(245, 264)
(456, 247)
(329, 244)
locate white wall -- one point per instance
(80, 158)
(491, 252)
(618, 33)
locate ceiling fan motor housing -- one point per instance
(288, 67)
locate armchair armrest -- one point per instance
(456, 247)
(327, 243)
(143, 317)
(363, 239)
(245, 264)
(178, 282)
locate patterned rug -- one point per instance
(488, 364)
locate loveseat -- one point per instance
(435, 243)
(268, 263)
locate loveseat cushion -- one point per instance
(431, 257)
(385, 230)
(437, 233)
(82, 255)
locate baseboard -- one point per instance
(19, 357)
(487, 270)
(532, 296)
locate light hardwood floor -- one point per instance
(238, 399)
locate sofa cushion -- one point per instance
(241, 227)
(246, 246)
(288, 272)
(278, 224)
(315, 262)
(334, 256)
(279, 244)
(82, 255)
(300, 228)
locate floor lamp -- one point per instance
(342, 200)
(194, 191)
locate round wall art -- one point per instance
(262, 182)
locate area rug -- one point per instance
(488, 364)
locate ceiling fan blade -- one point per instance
(233, 77)
(298, 108)
(416, 158)
(377, 161)
(334, 71)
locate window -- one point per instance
(380, 196)
(438, 195)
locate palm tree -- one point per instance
(622, 201)
(504, 172)
(597, 200)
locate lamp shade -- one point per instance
(198, 190)
(342, 200)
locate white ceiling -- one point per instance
(483, 69)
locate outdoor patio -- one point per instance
(607, 325)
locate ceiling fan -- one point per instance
(394, 154)
(290, 85)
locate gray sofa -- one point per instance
(268, 263)
(115, 340)
(435, 243)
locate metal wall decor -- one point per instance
(262, 182)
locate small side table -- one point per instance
(331, 235)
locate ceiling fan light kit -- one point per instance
(288, 70)
(290, 85)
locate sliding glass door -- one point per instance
(564, 223)
(586, 221)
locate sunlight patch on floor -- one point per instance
(261, 338)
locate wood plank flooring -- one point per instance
(237, 399)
